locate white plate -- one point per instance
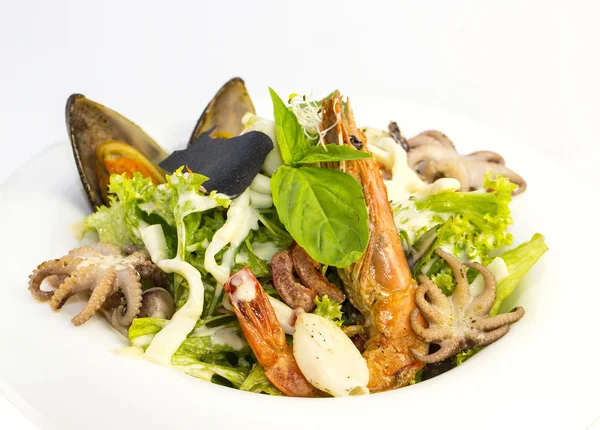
(69, 378)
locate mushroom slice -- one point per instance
(157, 303)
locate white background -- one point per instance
(529, 67)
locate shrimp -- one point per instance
(380, 284)
(266, 336)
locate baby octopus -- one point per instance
(101, 269)
(460, 321)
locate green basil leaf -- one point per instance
(332, 152)
(324, 211)
(291, 139)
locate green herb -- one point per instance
(329, 309)
(320, 154)
(324, 211)
(291, 139)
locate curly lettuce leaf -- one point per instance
(480, 218)
(119, 222)
(257, 382)
(329, 309)
(518, 261)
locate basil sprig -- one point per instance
(324, 210)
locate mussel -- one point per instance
(105, 142)
(223, 115)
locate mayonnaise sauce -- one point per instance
(265, 250)
(241, 218)
(227, 336)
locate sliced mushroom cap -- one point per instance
(157, 303)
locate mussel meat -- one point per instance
(105, 142)
(223, 115)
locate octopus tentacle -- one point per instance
(427, 309)
(59, 267)
(101, 269)
(491, 156)
(480, 338)
(447, 168)
(467, 323)
(80, 280)
(435, 296)
(104, 288)
(447, 349)
(481, 304)
(492, 323)
(432, 155)
(129, 282)
(462, 295)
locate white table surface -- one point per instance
(530, 65)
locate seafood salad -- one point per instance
(301, 255)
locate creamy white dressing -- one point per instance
(227, 336)
(116, 262)
(130, 351)
(245, 287)
(241, 258)
(143, 340)
(499, 270)
(241, 218)
(167, 341)
(148, 207)
(265, 250)
(255, 123)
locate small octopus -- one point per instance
(461, 321)
(113, 279)
(432, 155)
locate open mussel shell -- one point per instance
(223, 115)
(103, 141)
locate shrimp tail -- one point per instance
(265, 335)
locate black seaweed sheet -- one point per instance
(230, 164)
